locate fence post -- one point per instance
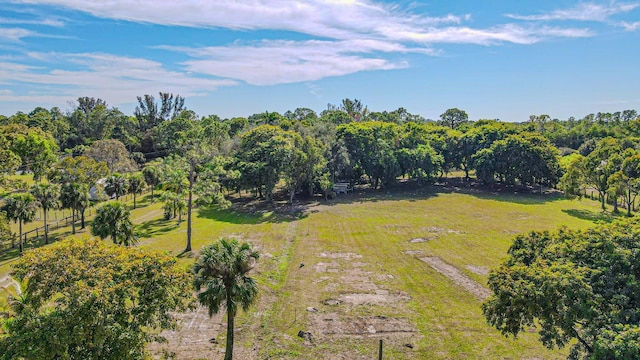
(380, 351)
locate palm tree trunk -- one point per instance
(73, 221)
(46, 230)
(82, 219)
(228, 353)
(20, 221)
(134, 200)
(629, 202)
(190, 206)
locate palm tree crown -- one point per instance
(222, 281)
(114, 220)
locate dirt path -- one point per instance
(7, 281)
(458, 277)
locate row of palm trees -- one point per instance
(21, 207)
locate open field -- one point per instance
(407, 266)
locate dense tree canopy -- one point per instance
(87, 300)
(114, 220)
(573, 285)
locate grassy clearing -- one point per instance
(358, 247)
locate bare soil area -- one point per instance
(458, 277)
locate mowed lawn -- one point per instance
(347, 272)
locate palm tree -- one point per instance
(152, 177)
(20, 208)
(47, 196)
(114, 220)
(222, 281)
(116, 185)
(74, 196)
(136, 186)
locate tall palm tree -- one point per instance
(74, 196)
(47, 196)
(222, 281)
(114, 220)
(151, 177)
(116, 185)
(20, 208)
(136, 185)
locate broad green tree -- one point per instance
(48, 197)
(263, 154)
(222, 281)
(36, 149)
(79, 169)
(578, 287)
(600, 164)
(371, 146)
(5, 230)
(87, 300)
(21, 208)
(113, 153)
(627, 180)
(114, 220)
(454, 117)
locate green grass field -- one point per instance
(363, 279)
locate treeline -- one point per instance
(305, 152)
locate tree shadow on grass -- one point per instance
(599, 216)
(156, 227)
(522, 198)
(251, 215)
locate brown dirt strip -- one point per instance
(457, 277)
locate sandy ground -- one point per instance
(458, 277)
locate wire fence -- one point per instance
(32, 238)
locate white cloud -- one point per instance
(119, 79)
(332, 19)
(277, 62)
(324, 18)
(15, 34)
(630, 26)
(498, 34)
(581, 12)
(45, 22)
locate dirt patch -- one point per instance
(191, 340)
(332, 302)
(413, 252)
(439, 230)
(381, 297)
(339, 255)
(478, 270)
(330, 324)
(420, 240)
(457, 277)
(323, 267)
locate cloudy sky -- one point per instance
(493, 58)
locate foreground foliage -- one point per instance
(574, 285)
(87, 300)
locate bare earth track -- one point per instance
(457, 277)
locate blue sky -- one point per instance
(494, 59)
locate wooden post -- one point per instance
(380, 351)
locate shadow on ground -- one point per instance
(156, 227)
(594, 216)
